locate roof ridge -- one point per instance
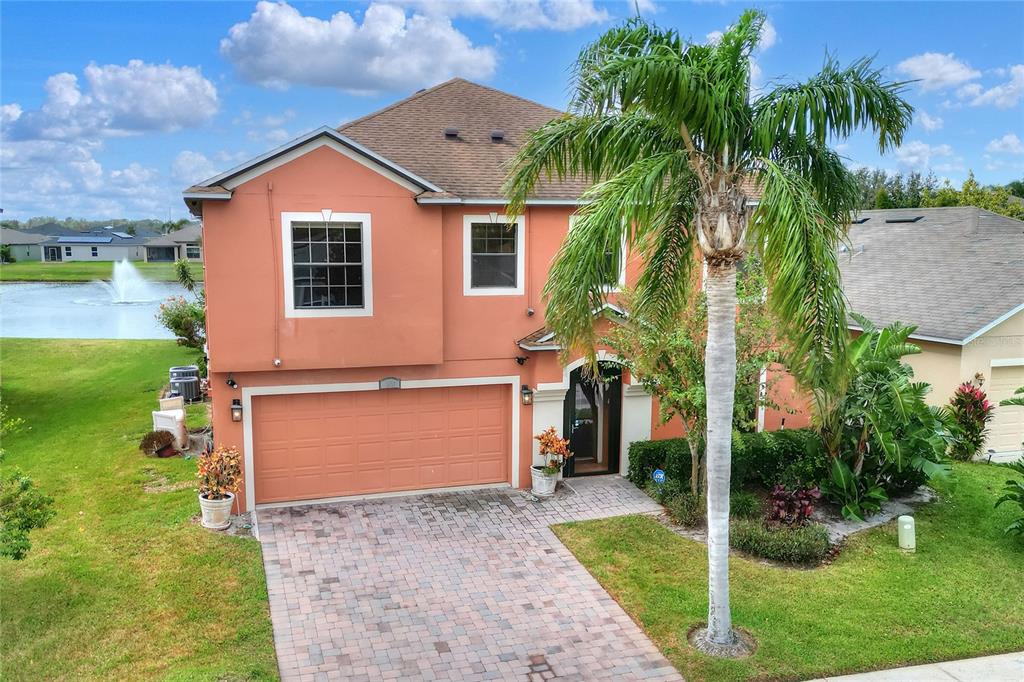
(426, 91)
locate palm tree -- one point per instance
(669, 134)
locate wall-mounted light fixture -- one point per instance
(527, 395)
(231, 381)
(521, 359)
(236, 410)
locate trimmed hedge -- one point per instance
(792, 457)
(800, 545)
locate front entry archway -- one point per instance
(593, 420)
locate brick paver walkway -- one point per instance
(459, 586)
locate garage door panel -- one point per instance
(1006, 430)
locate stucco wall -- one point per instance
(939, 365)
(26, 252)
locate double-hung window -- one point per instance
(327, 264)
(192, 251)
(67, 250)
(493, 255)
(95, 252)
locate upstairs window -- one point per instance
(493, 256)
(327, 265)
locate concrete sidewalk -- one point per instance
(1002, 668)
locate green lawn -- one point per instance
(85, 271)
(121, 584)
(875, 607)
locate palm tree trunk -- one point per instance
(692, 441)
(720, 383)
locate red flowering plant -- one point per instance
(971, 413)
(219, 473)
(791, 507)
(554, 449)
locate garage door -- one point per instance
(1006, 430)
(317, 445)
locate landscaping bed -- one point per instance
(121, 584)
(873, 607)
(87, 271)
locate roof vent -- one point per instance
(497, 136)
(904, 219)
(451, 133)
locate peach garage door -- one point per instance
(1006, 431)
(314, 445)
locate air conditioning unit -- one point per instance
(186, 387)
(184, 371)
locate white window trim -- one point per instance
(326, 215)
(623, 257)
(467, 256)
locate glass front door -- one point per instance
(593, 421)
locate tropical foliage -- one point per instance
(669, 364)
(971, 412)
(792, 507)
(1013, 493)
(667, 132)
(186, 317)
(554, 449)
(219, 473)
(875, 425)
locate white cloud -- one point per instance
(1007, 144)
(929, 123)
(278, 47)
(646, 7)
(117, 100)
(919, 156)
(1003, 96)
(190, 167)
(714, 37)
(937, 71)
(553, 15)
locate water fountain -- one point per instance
(127, 285)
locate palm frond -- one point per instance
(834, 103)
(835, 186)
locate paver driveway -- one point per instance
(463, 586)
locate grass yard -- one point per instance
(85, 271)
(958, 596)
(121, 584)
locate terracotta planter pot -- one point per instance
(543, 484)
(216, 513)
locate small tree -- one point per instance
(998, 199)
(971, 411)
(671, 367)
(185, 318)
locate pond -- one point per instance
(88, 310)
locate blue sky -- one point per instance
(113, 108)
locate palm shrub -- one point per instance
(186, 317)
(670, 137)
(971, 412)
(1013, 492)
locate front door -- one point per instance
(53, 253)
(593, 421)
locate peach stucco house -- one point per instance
(379, 323)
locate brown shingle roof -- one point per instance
(411, 133)
(951, 273)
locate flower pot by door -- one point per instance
(543, 484)
(216, 513)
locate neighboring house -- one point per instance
(184, 243)
(104, 244)
(375, 322)
(956, 273)
(24, 245)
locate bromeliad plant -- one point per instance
(554, 449)
(971, 413)
(219, 473)
(673, 141)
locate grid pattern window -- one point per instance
(95, 252)
(67, 250)
(192, 252)
(327, 264)
(494, 255)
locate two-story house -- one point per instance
(375, 319)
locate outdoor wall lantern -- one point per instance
(527, 395)
(236, 410)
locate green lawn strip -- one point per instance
(86, 271)
(122, 584)
(874, 608)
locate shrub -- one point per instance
(219, 473)
(792, 507)
(972, 412)
(23, 508)
(662, 492)
(800, 545)
(1013, 492)
(671, 455)
(154, 441)
(686, 509)
(744, 505)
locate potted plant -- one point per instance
(158, 444)
(555, 450)
(219, 474)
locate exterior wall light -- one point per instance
(236, 410)
(527, 395)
